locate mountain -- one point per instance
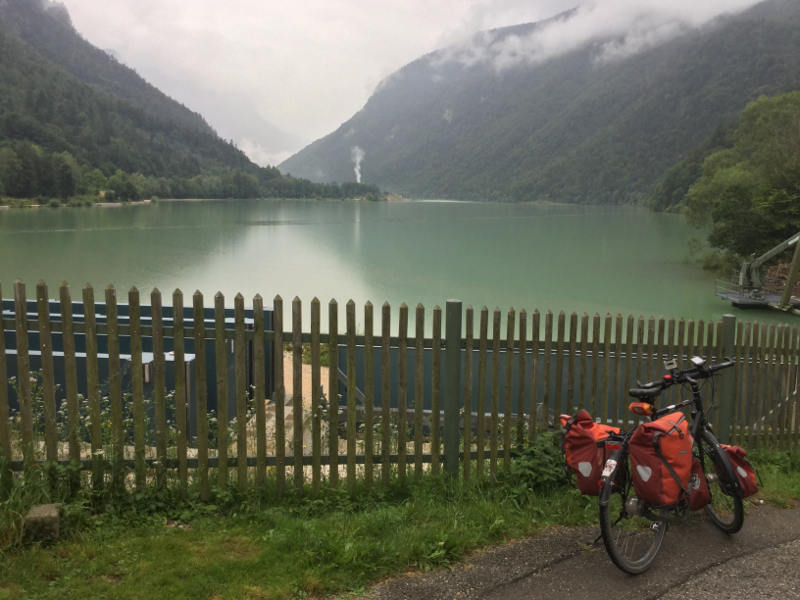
(63, 94)
(76, 126)
(599, 122)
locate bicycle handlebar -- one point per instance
(723, 365)
(648, 391)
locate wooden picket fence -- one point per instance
(409, 403)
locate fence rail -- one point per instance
(238, 390)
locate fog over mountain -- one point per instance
(274, 76)
(622, 28)
(592, 105)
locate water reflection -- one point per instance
(572, 258)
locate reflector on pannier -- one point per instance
(661, 459)
(743, 469)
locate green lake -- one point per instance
(551, 257)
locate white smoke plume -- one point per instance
(357, 154)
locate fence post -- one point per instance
(5, 431)
(794, 272)
(452, 387)
(725, 404)
(23, 374)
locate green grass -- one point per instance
(779, 475)
(332, 543)
(153, 546)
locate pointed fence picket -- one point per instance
(85, 390)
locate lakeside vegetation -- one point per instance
(743, 185)
(749, 193)
(30, 174)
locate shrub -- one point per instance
(535, 468)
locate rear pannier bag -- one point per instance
(661, 459)
(582, 454)
(743, 469)
(699, 494)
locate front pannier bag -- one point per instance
(743, 469)
(581, 451)
(661, 459)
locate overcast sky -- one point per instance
(276, 75)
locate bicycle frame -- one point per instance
(699, 425)
(634, 549)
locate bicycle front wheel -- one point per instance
(726, 509)
(631, 540)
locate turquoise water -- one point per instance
(554, 257)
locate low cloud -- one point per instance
(260, 155)
(257, 69)
(621, 27)
(641, 36)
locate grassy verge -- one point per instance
(336, 541)
(779, 476)
(328, 544)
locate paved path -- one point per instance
(696, 562)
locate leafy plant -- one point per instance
(534, 468)
(324, 355)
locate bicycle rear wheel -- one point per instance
(726, 509)
(631, 540)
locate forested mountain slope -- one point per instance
(579, 127)
(76, 122)
(62, 93)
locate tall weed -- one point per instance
(27, 489)
(534, 468)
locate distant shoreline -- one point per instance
(17, 203)
(23, 204)
(388, 199)
(115, 204)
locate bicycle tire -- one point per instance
(632, 541)
(726, 509)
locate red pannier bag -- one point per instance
(581, 451)
(661, 459)
(699, 494)
(743, 469)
